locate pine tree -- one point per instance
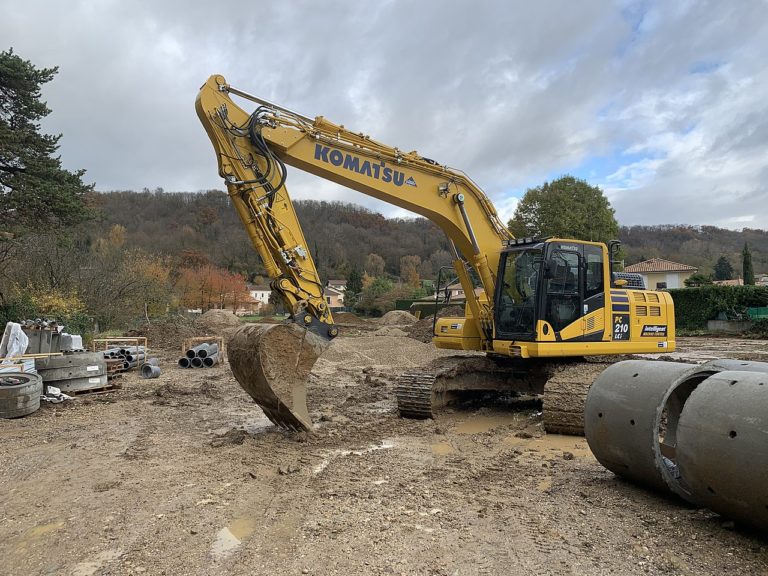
(749, 273)
(723, 269)
(35, 191)
(354, 287)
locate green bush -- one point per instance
(695, 306)
(759, 329)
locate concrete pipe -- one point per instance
(723, 446)
(192, 352)
(632, 417)
(210, 361)
(209, 350)
(724, 364)
(184, 362)
(622, 416)
(150, 371)
(197, 362)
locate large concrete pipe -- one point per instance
(632, 416)
(722, 441)
(210, 361)
(184, 362)
(622, 416)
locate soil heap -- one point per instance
(218, 321)
(398, 318)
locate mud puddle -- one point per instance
(552, 445)
(482, 423)
(229, 538)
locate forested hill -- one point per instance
(205, 226)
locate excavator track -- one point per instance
(565, 395)
(563, 385)
(415, 392)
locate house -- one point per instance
(259, 294)
(761, 280)
(334, 297)
(456, 292)
(339, 285)
(658, 273)
(734, 282)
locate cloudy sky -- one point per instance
(662, 104)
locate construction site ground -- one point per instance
(184, 475)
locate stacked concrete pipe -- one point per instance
(699, 431)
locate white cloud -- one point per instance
(509, 94)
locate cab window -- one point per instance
(593, 256)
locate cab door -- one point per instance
(563, 305)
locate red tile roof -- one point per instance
(659, 265)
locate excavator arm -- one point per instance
(253, 150)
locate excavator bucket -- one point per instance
(272, 363)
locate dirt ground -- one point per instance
(183, 475)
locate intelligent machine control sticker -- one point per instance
(659, 330)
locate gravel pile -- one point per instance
(398, 318)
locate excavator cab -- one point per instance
(547, 286)
(561, 298)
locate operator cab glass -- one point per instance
(563, 301)
(518, 293)
(555, 282)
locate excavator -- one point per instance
(545, 308)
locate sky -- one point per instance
(663, 105)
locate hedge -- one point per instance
(695, 306)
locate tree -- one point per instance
(354, 287)
(568, 208)
(409, 270)
(723, 269)
(374, 265)
(697, 280)
(748, 271)
(35, 191)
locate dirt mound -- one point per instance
(398, 318)
(394, 352)
(348, 318)
(168, 333)
(422, 330)
(217, 321)
(390, 331)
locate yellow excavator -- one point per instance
(545, 304)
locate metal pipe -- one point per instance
(209, 350)
(184, 362)
(211, 360)
(459, 199)
(197, 362)
(192, 352)
(150, 371)
(252, 98)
